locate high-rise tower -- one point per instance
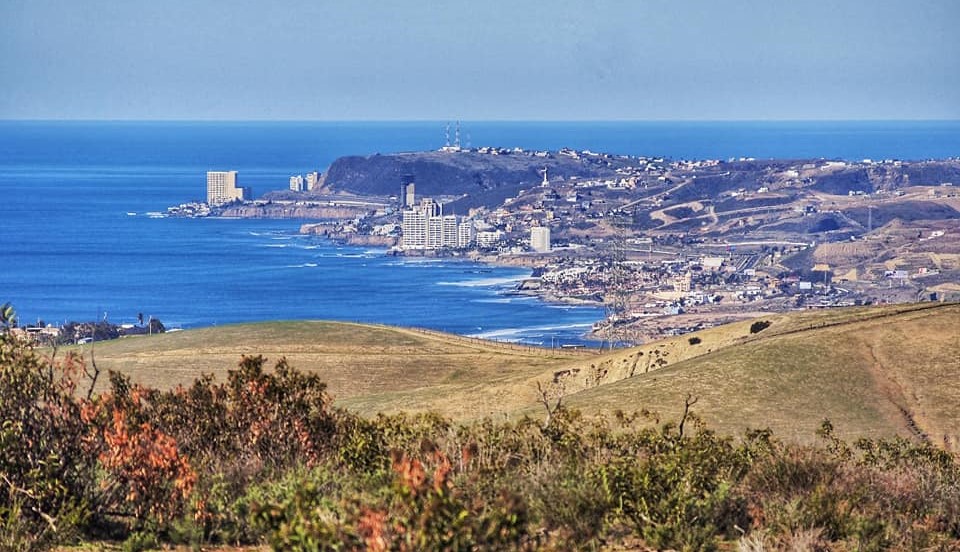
(222, 187)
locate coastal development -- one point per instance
(666, 246)
(222, 188)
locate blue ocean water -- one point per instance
(70, 249)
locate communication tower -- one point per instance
(456, 142)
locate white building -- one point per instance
(296, 183)
(489, 238)
(540, 239)
(711, 263)
(414, 229)
(222, 187)
(426, 227)
(466, 233)
(313, 178)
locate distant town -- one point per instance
(666, 246)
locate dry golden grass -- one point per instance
(874, 371)
(368, 368)
(847, 253)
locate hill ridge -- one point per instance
(873, 370)
(911, 381)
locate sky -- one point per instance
(480, 59)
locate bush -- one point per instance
(47, 477)
(678, 492)
(420, 509)
(694, 340)
(264, 458)
(759, 326)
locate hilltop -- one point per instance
(470, 178)
(368, 368)
(874, 371)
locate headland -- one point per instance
(666, 246)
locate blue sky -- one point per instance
(475, 60)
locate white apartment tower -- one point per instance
(313, 178)
(426, 227)
(414, 227)
(222, 187)
(296, 183)
(466, 233)
(540, 239)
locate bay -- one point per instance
(70, 249)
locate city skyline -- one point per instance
(370, 60)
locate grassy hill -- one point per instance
(873, 371)
(367, 368)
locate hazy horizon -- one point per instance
(651, 60)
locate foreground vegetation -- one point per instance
(264, 458)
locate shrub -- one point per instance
(264, 458)
(678, 491)
(759, 326)
(47, 477)
(420, 509)
(694, 340)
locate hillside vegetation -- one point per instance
(261, 455)
(367, 368)
(873, 371)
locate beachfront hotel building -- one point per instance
(296, 183)
(313, 178)
(540, 239)
(222, 187)
(426, 227)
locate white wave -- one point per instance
(506, 300)
(512, 335)
(280, 245)
(414, 260)
(302, 265)
(576, 326)
(517, 334)
(486, 282)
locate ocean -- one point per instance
(77, 241)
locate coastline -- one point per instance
(529, 286)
